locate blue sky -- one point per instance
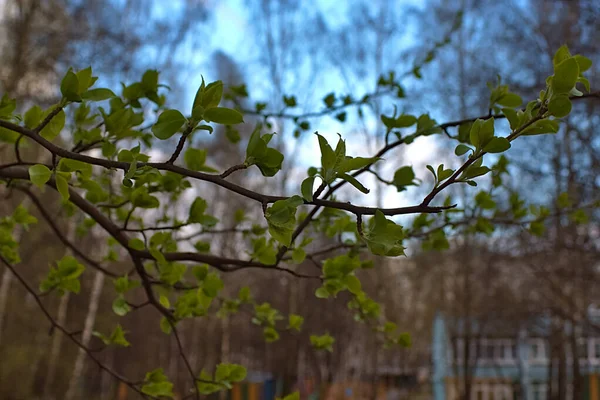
(230, 31)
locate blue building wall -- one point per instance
(521, 370)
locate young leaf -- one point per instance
(222, 115)
(69, 86)
(53, 128)
(98, 94)
(559, 105)
(497, 145)
(62, 185)
(39, 175)
(354, 182)
(156, 384)
(307, 188)
(353, 163)
(33, 117)
(169, 122)
(384, 237)
(403, 177)
(281, 218)
(565, 75)
(461, 149)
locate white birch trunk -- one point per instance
(7, 276)
(61, 317)
(90, 319)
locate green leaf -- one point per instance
(295, 322)
(443, 174)
(64, 277)
(22, 216)
(497, 145)
(512, 117)
(298, 255)
(290, 101)
(169, 122)
(136, 244)
(270, 334)
(485, 201)
(565, 75)
(67, 165)
(62, 185)
(427, 126)
(156, 384)
(120, 306)
(281, 219)
(69, 87)
(244, 294)
(7, 107)
(583, 62)
(39, 175)
(99, 94)
(200, 271)
(307, 188)
(222, 115)
(328, 158)
(474, 171)
(461, 149)
(150, 80)
(53, 128)
(482, 132)
(323, 342)
(403, 177)
(292, 396)
(194, 158)
(165, 326)
(542, 127)
(384, 237)
(510, 100)
(212, 284)
(123, 284)
(212, 95)
(559, 105)
(329, 100)
(267, 159)
(33, 117)
(563, 200)
(585, 82)
(197, 210)
(353, 284)
(354, 182)
(85, 79)
(354, 163)
(561, 54)
(118, 337)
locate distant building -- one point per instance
(511, 360)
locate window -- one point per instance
(538, 391)
(488, 350)
(583, 349)
(503, 392)
(508, 350)
(537, 350)
(492, 391)
(594, 350)
(460, 350)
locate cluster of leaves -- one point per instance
(181, 291)
(9, 245)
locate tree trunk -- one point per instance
(90, 319)
(61, 317)
(7, 276)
